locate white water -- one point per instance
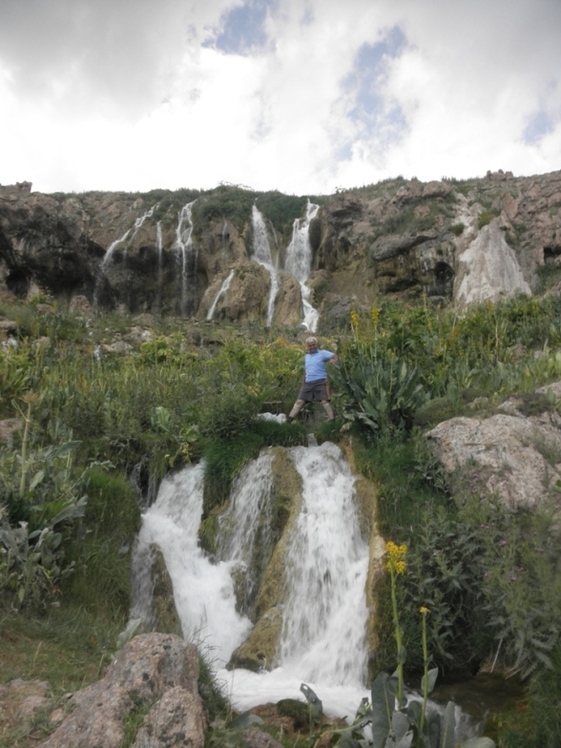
(298, 262)
(223, 288)
(160, 250)
(262, 254)
(327, 560)
(203, 592)
(113, 246)
(184, 245)
(325, 613)
(323, 637)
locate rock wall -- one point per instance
(451, 241)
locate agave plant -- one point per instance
(379, 392)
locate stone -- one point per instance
(176, 721)
(8, 428)
(488, 269)
(256, 738)
(20, 701)
(514, 457)
(79, 304)
(157, 672)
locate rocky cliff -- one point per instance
(171, 252)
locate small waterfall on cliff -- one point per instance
(186, 250)
(223, 288)
(262, 254)
(298, 261)
(127, 237)
(225, 236)
(160, 250)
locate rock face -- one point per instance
(169, 253)
(514, 455)
(155, 675)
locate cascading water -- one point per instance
(323, 636)
(223, 288)
(127, 237)
(160, 250)
(298, 262)
(262, 254)
(326, 561)
(186, 250)
(203, 591)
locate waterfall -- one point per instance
(325, 621)
(160, 250)
(223, 288)
(184, 246)
(245, 537)
(323, 638)
(107, 257)
(326, 561)
(262, 254)
(203, 591)
(298, 262)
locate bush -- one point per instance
(228, 414)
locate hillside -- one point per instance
(172, 252)
(113, 376)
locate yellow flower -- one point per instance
(354, 319)
(396, 555)
(423, 611)
(375, 315)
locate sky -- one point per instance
(303, 96)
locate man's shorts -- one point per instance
(316, 390)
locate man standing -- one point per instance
(314, 384)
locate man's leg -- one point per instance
(328, 409)
(296, 408)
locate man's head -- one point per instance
(311, 344)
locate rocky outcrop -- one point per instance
(260, 649)
(169, 253)
(155, 675)
(514, 455)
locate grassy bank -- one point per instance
(98, 429)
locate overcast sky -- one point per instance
(303, 96)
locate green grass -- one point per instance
(69, 647)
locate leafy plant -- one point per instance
(379, 393)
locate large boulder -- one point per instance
(514, 455)
(154, 674)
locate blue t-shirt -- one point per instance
(315, 365)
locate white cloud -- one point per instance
(103, 95)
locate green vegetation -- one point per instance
(489, 579)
